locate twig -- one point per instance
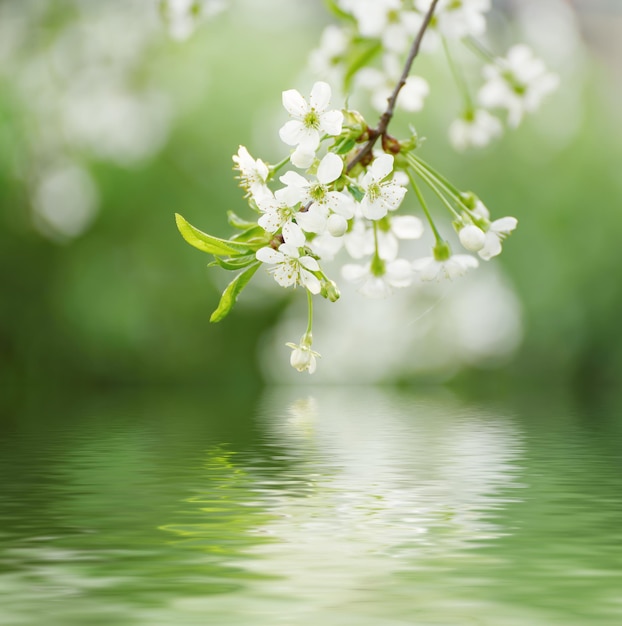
(385, 119)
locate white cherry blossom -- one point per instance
(253, 172)
(474, 129)
(496, 233)
(316, 196)
(454, 19)
(310, 119)
(429, 268)
(374, 284)
(289, 267)
(325, 60)
(302, 357)
(381, 83)
(517, 83)
(381, 195)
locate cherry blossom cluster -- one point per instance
(347, 194)
(368, 49)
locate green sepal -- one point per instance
(231, 293)
(357, 193)
(206, 243)
(236, 263)
(238, 222)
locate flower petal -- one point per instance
(294, 103)
(320, 96)
(382, 166)
(330, 168)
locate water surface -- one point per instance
(337, 506)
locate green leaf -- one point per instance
(231, 293)
(369, 49)
(206, 243)
(238, 222)
(337, 11)
(236, 263)
(252, 232)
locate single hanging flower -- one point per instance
(302, 357)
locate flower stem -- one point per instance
(310, 315)
(385, 119)
(479, 49)
(428, 179)
(451, 189)
(458, 77)
(275, 168)
(424, 206)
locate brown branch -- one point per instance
(385, 119)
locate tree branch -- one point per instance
(385, 119)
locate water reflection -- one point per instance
(348, 506)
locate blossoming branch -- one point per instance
(340, 191)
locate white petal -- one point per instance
(294, 103)
(504, 225)
(375, 210)
(354, 273)
(320, 96)
(375, 287)
(293, 235)
(269, 255)
(407, 227)
(399, 273)
(310, 281)
(381, 167)
(330, 168)
(309, 263)
(302, 157)
(292, 132)
(331, 122)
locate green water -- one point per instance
(328, 506)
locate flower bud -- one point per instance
(330, 291)
(337, 225)
(472, 238)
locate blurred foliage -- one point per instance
(129, 301)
